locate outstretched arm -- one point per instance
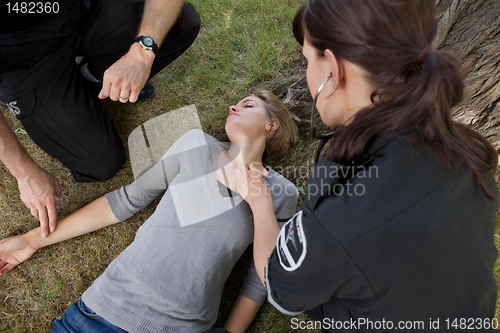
(38, 188)
(94, 216)
(128, 75)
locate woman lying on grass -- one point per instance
(170, 279)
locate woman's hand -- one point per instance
(251, 185)
(13, 251)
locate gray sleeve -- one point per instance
(129, 199)
(284, 207)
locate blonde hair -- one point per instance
(287, 133)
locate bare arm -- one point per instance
(252, 187)
(94, 216)
(38, 188)
(159, 17)
(266, 231)
(242, 314)
(128, 75)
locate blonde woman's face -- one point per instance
(248, 117)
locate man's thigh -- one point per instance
(59, 114)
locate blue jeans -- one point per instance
(80, 319)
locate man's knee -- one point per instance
(99, 167)
(191, 22)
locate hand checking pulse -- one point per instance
(124, 80)
(38, 189)
(251, 185)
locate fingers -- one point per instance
(5, 267)
(134, 94)
(44, 221)
(52, 216)
(253, 167)
(123, 99)
(33, 211)
(115, 91)
(119, 90)
(7, 262)
(106, 88)
(47, 214)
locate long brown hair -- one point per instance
(416, 86)
(287, 133)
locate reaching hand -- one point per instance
(251, 185)
(124, 80)
(38, 191)
(13, 251)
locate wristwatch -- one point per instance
(147, 43)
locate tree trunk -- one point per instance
(468, 29)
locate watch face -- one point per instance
(147, 41)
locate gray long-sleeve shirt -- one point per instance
(170, 279)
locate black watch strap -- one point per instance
(147, 43)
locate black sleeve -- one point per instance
(309, 267)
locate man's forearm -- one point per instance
(12, 154)
(159, 17)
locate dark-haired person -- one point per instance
(397, 228)
(125, 43)
(170, 279)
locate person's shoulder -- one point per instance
(280, 185)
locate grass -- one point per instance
(242, 44)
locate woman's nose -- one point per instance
(233, 108)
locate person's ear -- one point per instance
(332, 66)
(272, 125)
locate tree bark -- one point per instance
(468, 29)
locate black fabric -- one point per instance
(417, 244)
(41, 83)
(21, 28)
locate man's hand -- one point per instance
(124, 80)
(13, 251)
(38, 190)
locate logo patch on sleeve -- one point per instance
(291, 244)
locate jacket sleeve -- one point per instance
(308, 267)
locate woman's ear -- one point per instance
(272, 125)
(333, 66)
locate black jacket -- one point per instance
(399, 237)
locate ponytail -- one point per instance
(416, 85)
